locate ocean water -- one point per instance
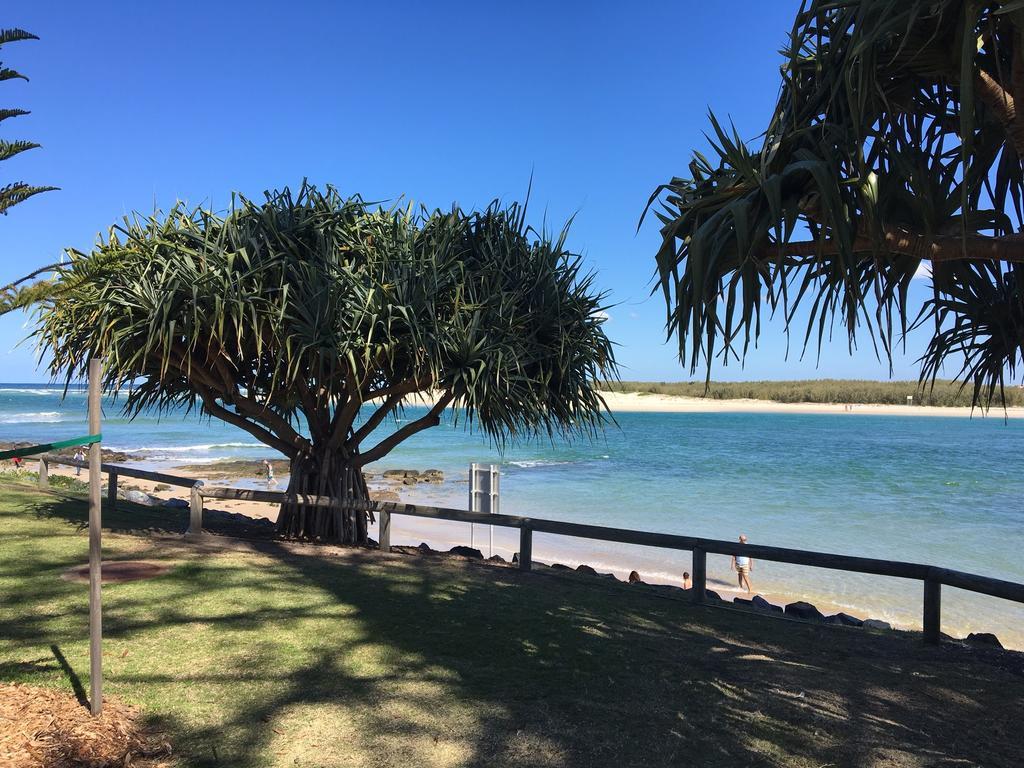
(947, 491)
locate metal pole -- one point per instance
(473, 506)
(95, 543)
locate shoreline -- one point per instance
(654, 568)
(635, 402)
(642, 402)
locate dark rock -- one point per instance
(400, 473)
(161, 487)
(140, 497)
(384, 495)
(634, 578)
(560, 567)
(584, 568)
(424, 547)
(176, 504)
(983, 639)
(844, 620)
(763, 605)
(476, 554)
(742, 601)
(496, 559)
(611, 576)
(876, 624)
(663, 587)
(804, 610)
(710, 594)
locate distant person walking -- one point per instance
(270, 472)
(743, 565)
(79, 456)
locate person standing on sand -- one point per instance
(743, 565)
(79, 456)
(270, 471)
(686, 580)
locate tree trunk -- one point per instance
(328, 474)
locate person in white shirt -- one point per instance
(79, 456)
(743, 565)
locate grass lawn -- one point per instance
(289, 657)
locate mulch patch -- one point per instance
(118, 571)
(44, 728)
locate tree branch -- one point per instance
(389, 404)
(261, 434)
(947, 248)
(385, 446)
(29, 276)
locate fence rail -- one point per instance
(933, 577)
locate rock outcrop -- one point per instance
(804, 610)
(986, 639)
(876, 624)
(462, 551)
(761, 604)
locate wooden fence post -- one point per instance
(700, 575)
(112, 491)
(44, 473)
(932, 610)
(385, 531)
(195, 520)
(525, 547)
(95, 544)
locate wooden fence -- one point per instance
(932, 577)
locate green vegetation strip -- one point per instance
(278, 657)
(33, 450)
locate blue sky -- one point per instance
(138, 105)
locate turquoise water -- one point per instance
(942, 490)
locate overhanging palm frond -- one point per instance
(895, 140)
(19, 192)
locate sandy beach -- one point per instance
(635, 402)
(643, 402)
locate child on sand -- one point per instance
(270, 472)
(743, 565)
(686, 580)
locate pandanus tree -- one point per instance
(896, 144)
(310, 319)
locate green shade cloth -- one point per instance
(32, 450)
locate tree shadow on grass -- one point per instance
(457, 667)
(391, 661)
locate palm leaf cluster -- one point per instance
(15, 192)
(287, 316)
(896, 141)
(17, 295)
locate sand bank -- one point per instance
(635, 402)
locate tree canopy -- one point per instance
(896, 141)
(288, 317)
